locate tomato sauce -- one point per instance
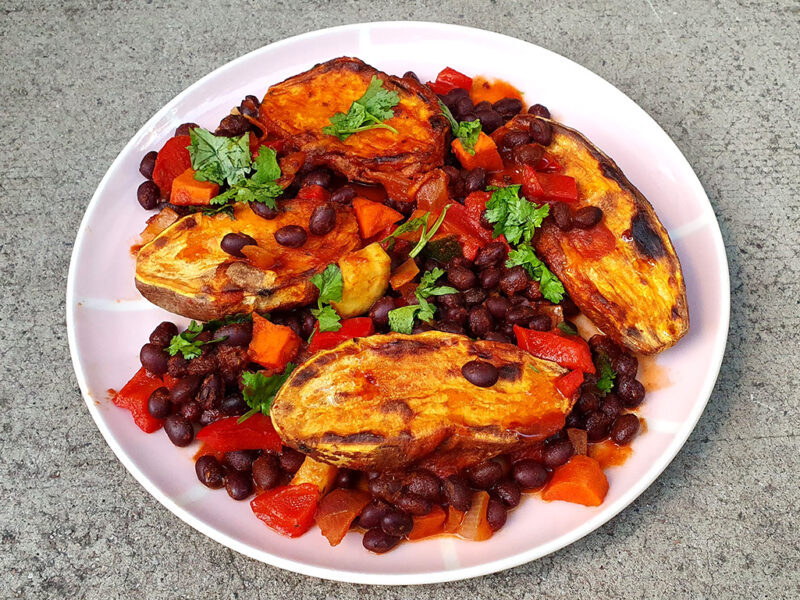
(492, 90)
(652, 375)
(608, 454)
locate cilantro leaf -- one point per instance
(466, 131)
(549, 285)
(368, 112)
(266, 165)
(228, 320)
(259, 390)
(187, 344)
(330, 285)
(567, 328)
(426, 235)
(607, 375)
(401, 319)
(426, 288)
(261, 187)
(217, 158)
(512, 215)
(226, 209)
(408, 226)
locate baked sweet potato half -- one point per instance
(386, 401)
(184, 270)
(623, 273)
(297, 109)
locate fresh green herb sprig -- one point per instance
(368, 112)
(567, 328)
(407, 227)
(466, 131)
(514, 216)
(549, 285)
(259, 390)
(401, 320)
(261, 186)
(427, 234)
(330, 286)
(607, 376)
(187, 343)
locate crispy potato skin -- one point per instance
(184, 270)
(297, 109)
(387, 401)
(635, 293)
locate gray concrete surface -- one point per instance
(79, 78)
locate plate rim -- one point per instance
(444, 575)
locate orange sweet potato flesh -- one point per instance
(187, 191)
(635, 293)
(387, 401)
(428, 525)
(580, 480)
(184, 270)
(272, 345)
(297, 109)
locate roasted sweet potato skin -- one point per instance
(387, 401)
(184, 270)
(634, 292)
(297, 109)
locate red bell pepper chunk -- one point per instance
(571, 352)
(172, 160)
(314, 192)
(568, 384)
(134, 396)
(288, 509)
(351, 328)
(449, 79)
(548, 164)
(548, 186)
(227, 435)
(593, 243)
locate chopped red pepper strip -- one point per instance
(449, 79)
(547, 186)
(288, 509)
(172, 160)
(351, 328)
(571, 352)
(227, 435)
(134, 396)
(570, 383)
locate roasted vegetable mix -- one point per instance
(384, 278)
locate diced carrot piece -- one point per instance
(486, 155)
(428, 525)
(453, 520)
(272, 345)
(475, 525)
(187, 191)
(404, 274)
(373, 217)
(580, 480)
(337, 511)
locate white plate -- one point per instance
(103, 304)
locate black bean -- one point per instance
(455, 182)
(474, 180)
(372, 514)
(386, 486)
(630, 391)
(379, 313)
(514, 138)
(209, 416)
(453, 96)
(375, 540)
(587, 402)
(411, 75)
(489, 278)
(490, 119)
(148, 195)
(519, 300)
(520, 315)
(474, 296)
(158, 404)
(234, 405)
(191, 411)
(233, 243)
(485, 475)
(498, 306)
(539, 110)
(396, 522)
(562, 215)
(508, 491)
(587, 217)
(528, 154)
(163, 333)
(264, 211)
(235, 334)
(413, 504)
(450, 300)
(291, 460)
(177, 365)
(533, 291)
(249, 107)
(210, 473)
(179, 430)
(480, 322)
(321, 177)
(574, 420)
(239, 485)
(485, 222)
(344, 195)
(496, 514)
(185, 128)
(457, 315)
(541, 132)
(469, 117)
(602, 344)
(569, 307)
(421, 327)
(148, 164)
(232, 126)
(496, 336)
(266, 471)
(291, 236)
(597, 424)
(557, 453)
(480, 373)
(461, 278)
(211, 391)
(624, 429)
(239, 460)
(514, 280)
(463, 106)
(611, 406)
(529, 474)
(322, 220)
(457, 493)
(624, 365)
(185, 389)
(508, 106)
(447, 327)
(540, 323)
(346, 478)
(491, 255)
(424, 484)
(154, 359)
